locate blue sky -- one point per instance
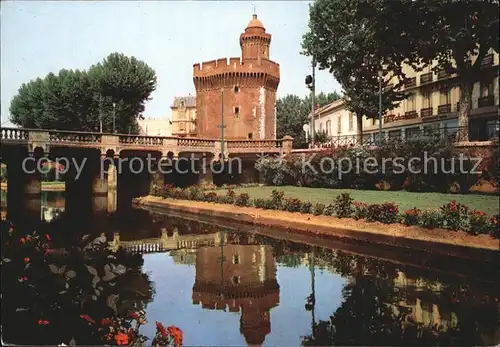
(40, 37)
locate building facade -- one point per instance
(433, 104)
(184, 116)
(155, 127)
(335, 120)
(244, 89)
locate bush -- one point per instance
(318, 209)
(479, 223)
(277, 199)
(242, 200)
(262, 203)
(411, 217)
(455, 216)
(194, 193)
(431, 219)
(306, 207)
(210, 197)
(329, 210)
(495, 226)
(292, 205)
(360, 210)
(386, 213)
(230, 196)
(342, 205)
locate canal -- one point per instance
(240, 285)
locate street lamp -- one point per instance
(380, 75)
(311, 84)
(114, 117)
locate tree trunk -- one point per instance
(359, 124)
(464, 110)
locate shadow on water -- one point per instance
(234, 285)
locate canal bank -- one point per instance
(46, 186)
(437, 241)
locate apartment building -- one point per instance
(335, 120)
(433, 105)
(155, 127)
(184, 116)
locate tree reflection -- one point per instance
(381, 309)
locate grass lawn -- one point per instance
(405, 200)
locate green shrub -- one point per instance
(411, 217)
(292, 205)
(230, 196)
(210, 197)
(318, 209)
(455, 216)
(306, 207)
(386, 213)
(329, 210)
(277, 197)
(431, 219)
(194, 193)
(242, 200)
(262, 203)
(479, 223)
(342, 205)
(360, 210)
(495, 226)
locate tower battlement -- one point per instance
(235, 64)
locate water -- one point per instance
(272, 291)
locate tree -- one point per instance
(342, 41)
(292, 113)
(456, 35)
(77, 100)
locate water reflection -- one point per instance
(238, 287)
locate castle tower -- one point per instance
(248, 85)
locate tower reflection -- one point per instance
(238, 278)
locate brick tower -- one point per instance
(249, 86)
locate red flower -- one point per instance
(106, 321)
(121, 338)
(47, 236)
(480, 213)
(43, 322)
(26, 260)
(87, 318)
(134, 315)
(161, 328)
(22, 240)
(23, 278)
(176, 333)
(49, 251)
(28, 239)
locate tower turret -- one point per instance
(255, 41)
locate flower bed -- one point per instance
(450, 216)
(76, 294)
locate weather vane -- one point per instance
(253, 6)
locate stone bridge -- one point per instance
(95, 161)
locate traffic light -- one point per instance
(309, 82)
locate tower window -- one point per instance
(236, 89)
(237, 110)
(236, 259)
(250, 136)
(236, 279)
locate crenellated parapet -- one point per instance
(233, 71)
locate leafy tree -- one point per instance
(456, 35)
(292, 113)
(77, 100)
(342, 41)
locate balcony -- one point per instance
(427, 112)
(426, 78)
(486, 101)
(442, 74)
(411, 82)
(410, 115)
(487, 61)
(446, 108)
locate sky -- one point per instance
(40, 37)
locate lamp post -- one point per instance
(380, 74)
(114, 117)
(311, 84)
(222, 124)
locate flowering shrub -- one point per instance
(342, 205)
(386, 213)
(329, 210)
(495, 226)
(171, 336)
(360, 210)
(210, 197)
(431, 219)
(411, 217)
(242, 200)
(45, 287)
(479, 223)
(318, 209)
(455, 216)
(292, 205)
